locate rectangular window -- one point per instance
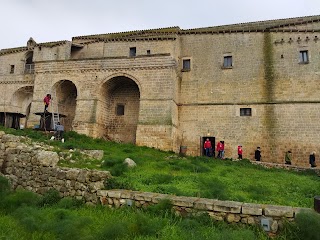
(303, 57)
(245, 112)
(120, 110)
(11, 68)
(133, 52)
(186, 65)
(148, 52)
(227, 61)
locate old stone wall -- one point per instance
(229, 211)
(171, 106)
(33, 167)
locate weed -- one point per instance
(50, 198)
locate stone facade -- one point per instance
(254, 84)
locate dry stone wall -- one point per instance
(229, 211)
(32, 167)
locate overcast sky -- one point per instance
(55, 20)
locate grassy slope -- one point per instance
(165, 172)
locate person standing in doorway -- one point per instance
(207, 147)
(46, 102)
(257, 154)
(240, 151)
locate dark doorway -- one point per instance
(213, 143)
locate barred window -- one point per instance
(303, 57)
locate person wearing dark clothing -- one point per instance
(257, 154)
(312, 159)
(287, 158)
(59, 130)
(46, 102)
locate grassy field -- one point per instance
(166, 172)
(25, 215)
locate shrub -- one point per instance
(308, 224)
(50, 198)
(116, 183)
(70, 203)
(19, 198)
(4, 185)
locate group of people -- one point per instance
(209, 149)
(257, 154)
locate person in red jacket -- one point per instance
(46, 102)
(207, 147)
(240, 151)
(219, 149)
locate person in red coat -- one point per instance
(219, 149)
(240, 151)
(207, 147)
(46, 102)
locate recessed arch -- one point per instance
(64, 93)
(118, 108)
(21, 101)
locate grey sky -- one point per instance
(55, 20)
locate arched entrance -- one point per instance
(21, 102)
(66, 97)
(119, 101)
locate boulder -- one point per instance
(130, 162)
(47, 158)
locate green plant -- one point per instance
(51, 197)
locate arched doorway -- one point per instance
(119, 112)
(21, 102)
(66, 94)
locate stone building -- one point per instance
(254, 84)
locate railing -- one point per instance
(29, 68)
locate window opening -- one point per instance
(186, 65)
(11, 68)
(304, 58)
(133, 51)
(245, 112)
(120, 110)
(227, 61)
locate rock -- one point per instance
(47, 158)
(96, 154)
(130, 162)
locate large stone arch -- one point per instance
(118, 108)
(65, 92)
(21, 102)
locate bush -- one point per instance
(4, 185)
(70, 203)
(308, 224)
(50, 198)
(14, 200)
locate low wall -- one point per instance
(232, 212)
(34, 167)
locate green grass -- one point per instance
(166, 172)
(68, 218)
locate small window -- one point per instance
(133, 52)
(303, 57)
(148, 52)
(186, 65)
(120, 110)
(245, 112)
(11, 68)
(227, 62)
